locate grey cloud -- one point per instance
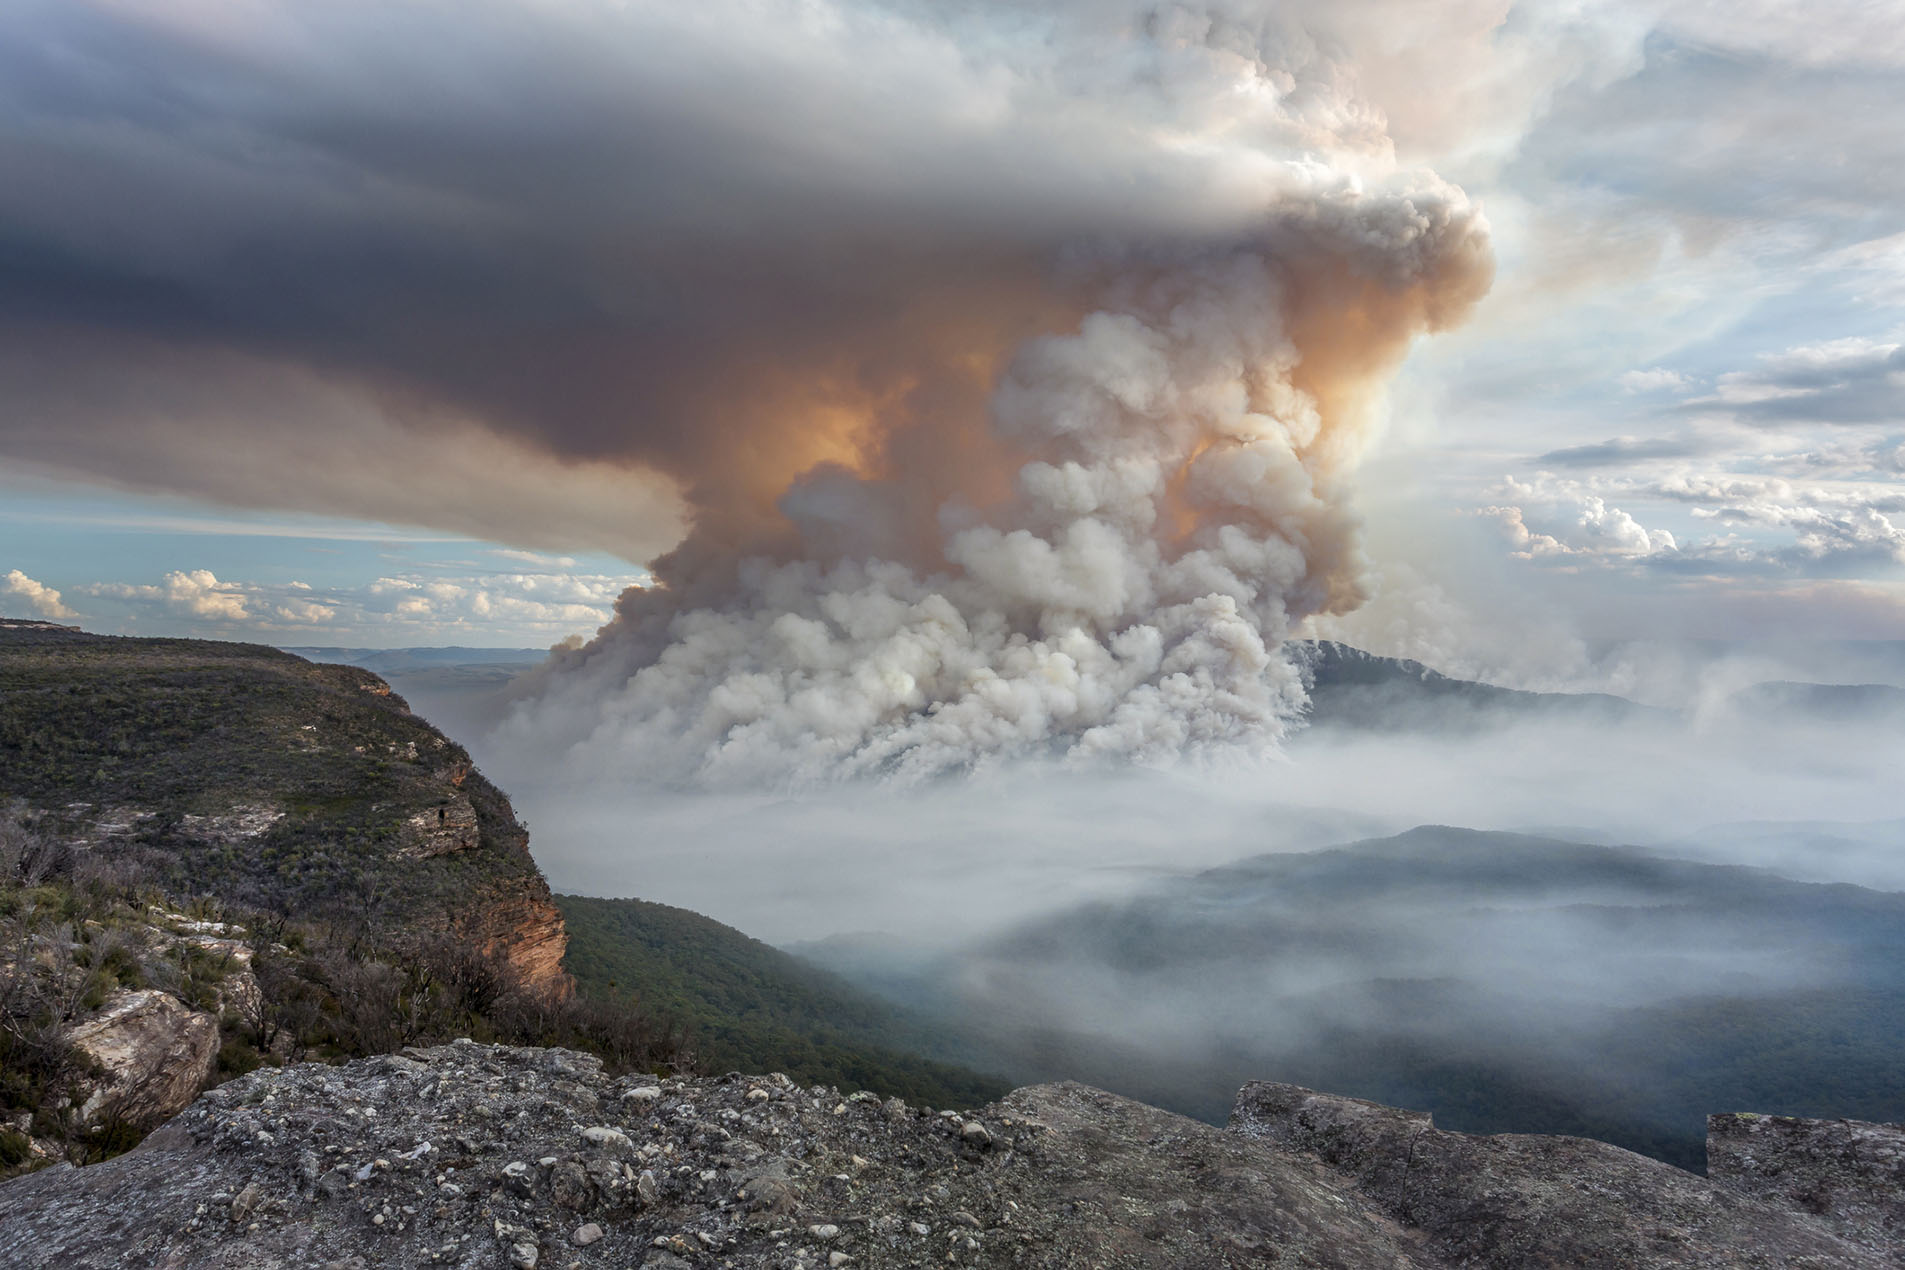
(1618, 451)
(1847, 382)
(137, 413)
(1716, 140)
(1827, 33)
(1883, 458)
(1832, 543)
(1750, 491)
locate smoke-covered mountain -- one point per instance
(1507, 983)
(1348, 690)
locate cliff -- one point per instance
(523, 927)
(215, 856)
(251, 775)
(478, 1156)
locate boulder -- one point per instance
(156, 1053)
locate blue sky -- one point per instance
(311, 341)
(140, 565)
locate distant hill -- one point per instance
(751, 1007)
(407, 660)
(1867, 853)
(1820, 703)
(1354, 690)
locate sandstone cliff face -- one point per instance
(513, 917)
(275, 784)
(449, 826)
(156, 1054)
(479, 1156)
(519, 923)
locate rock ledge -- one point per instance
(478, 1156)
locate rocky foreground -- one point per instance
(479, 1156)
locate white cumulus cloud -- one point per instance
(39, 597)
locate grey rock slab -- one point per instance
(1848, 1173)
(1070, 1177)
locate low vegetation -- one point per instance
(749, 1007)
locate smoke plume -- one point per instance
(1106, 568)
(1008, 364)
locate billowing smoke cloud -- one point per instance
(1178, 504)
(529, 244)
(1010, 362)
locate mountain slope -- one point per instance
(750, 1007)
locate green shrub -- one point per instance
(235, 1058)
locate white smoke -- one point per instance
(1179, 503)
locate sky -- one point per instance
(400, 323)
